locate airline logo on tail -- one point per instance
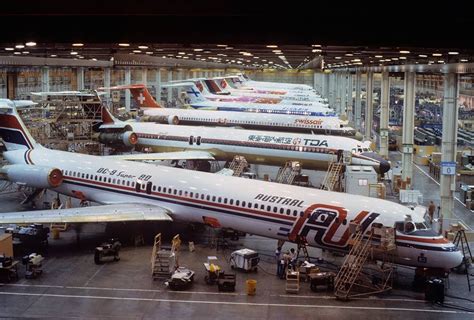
(12, 131)
(140, 94)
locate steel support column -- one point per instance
(326, 81)
(358, 106)
(344, 94)
(158, 85)
(369, 106)
(408, 127)
(128, 81)
(144, 76)
(45, 79)
(350, 101)
(170, 91)
(449, 141)
(107, 73)
(384, 112)
(80, 78)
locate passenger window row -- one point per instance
(193, 195)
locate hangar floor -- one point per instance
(72, 286)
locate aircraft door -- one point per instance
(148, 187)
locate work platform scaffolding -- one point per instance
(369, 265)
(65, 122)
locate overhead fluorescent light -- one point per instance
(30, 44)
(77, 44)
(124, 44)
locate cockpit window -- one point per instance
(410, 226)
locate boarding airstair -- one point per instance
(353, 264)
(238, 165)
(460, 240)
(333, 178)
(288, 172)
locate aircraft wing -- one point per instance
(179, 155)
(92, 214)
(225, 172)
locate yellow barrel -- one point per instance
(55, 233)
(251, 287)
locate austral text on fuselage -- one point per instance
(280, 200)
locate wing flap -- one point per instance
(93, 214)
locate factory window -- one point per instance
(237, 202)
(295, 213)
(269, 208)
(288, 211)
(231, 201)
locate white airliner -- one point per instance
(154, 112)
(218, 89)
(260, 147)
(198, 101)
(246, 82)
(144, 192)
(226, 85)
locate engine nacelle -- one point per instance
(33, 175)
(161, 119)
(127, 138)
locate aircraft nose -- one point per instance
(454, 260)
(384, 165)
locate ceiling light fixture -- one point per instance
(9, 49)
(198, 49)
(73, 53)
(404, 51)
(19, 46)
(437, 54)
(30, 44)
(453, 53)
(76, 44)
(143, 47)
(422, 56)
(124, 44)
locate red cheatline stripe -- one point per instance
(165, 195)
(424, 239)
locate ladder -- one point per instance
(460, 240)
(332, 178)
(175, 245)
(238, 165)
(292, 282)
(288, 172)
(353, 264)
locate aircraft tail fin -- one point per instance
(194, 94)
(140, 94)
(107, 116)
(13, 131)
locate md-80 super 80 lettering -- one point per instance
(268, 209)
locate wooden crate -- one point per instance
(6, 244)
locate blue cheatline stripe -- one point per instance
(174, 201)
(14, 136)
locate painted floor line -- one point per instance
(311, 306)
